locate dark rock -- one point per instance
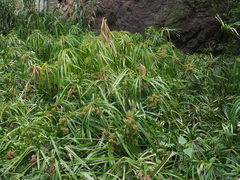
(195, 18)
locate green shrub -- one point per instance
(7, 16)
(76, 105)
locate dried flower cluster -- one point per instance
(64, 128)
(113, 141)
(162, 53)
(11, 154)
(130, 124)
(155, 99)
(143, 176)
(130, 128)
(142, 70)
(90, 107)
(33, 161)
(190, 68)
(50, 170)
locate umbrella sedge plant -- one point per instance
(76, 105)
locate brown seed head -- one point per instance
(142, 70)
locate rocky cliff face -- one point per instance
(195, 18)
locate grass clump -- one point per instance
(76, 105)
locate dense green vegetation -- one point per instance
(79, 105)
(230, 26)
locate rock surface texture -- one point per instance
(195, 18)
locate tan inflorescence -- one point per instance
(64, 128)
(92, 108)
(130, 128)
(11, 154)
(113, 141)
(142, 70)
(155, 99)
(33, 161)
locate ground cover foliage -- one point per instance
(75, 104)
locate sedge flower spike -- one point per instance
(142, 70)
